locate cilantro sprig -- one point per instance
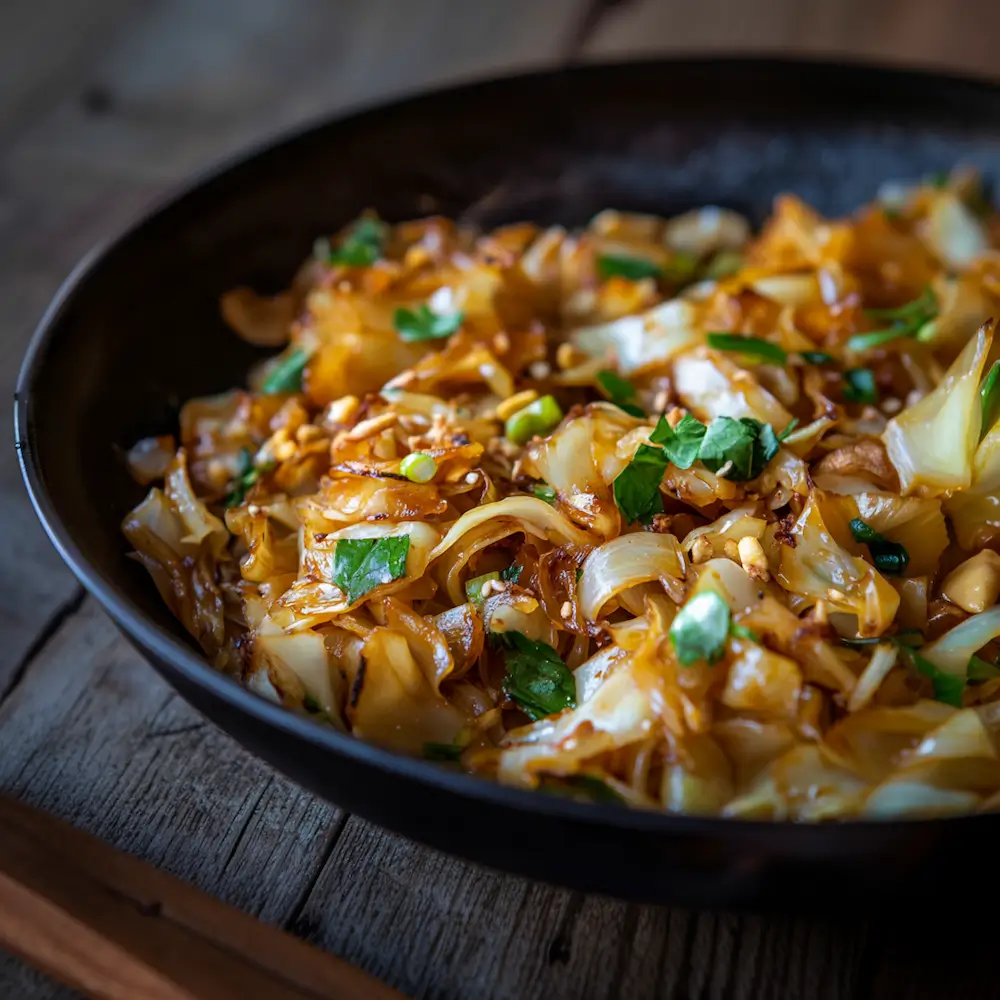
(890, 558)
(362, 245)
(737, 450)
(362, 564)
(537, 678)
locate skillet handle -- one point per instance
(116, 928)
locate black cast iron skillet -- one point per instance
(136, 330)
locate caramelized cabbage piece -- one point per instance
(656, 512)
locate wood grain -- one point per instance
(119, 928)
(959, 35)
(103, 107)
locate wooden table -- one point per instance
(105, 103)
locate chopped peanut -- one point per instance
(371, 427)
(732, 550)
(675, 416)
(340, 411)
(701, 550)
(974, 585)
(753, 559)
(567, 356)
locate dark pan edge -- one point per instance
(795, 838)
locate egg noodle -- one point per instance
(657, 512)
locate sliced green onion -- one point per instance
(418, 467)
(859, 386)
(537, 418)
(681, 268)
(890, 558)
(619, 265)
(926, 302)
(982, 670)
(474, 587)
(700, 629)
(913, 319)
(748, 345)
(286, 376)
(742, 632)
(989, 398)
(816, 357)
(868, 341)
(544, 492)
(723, 264)
(445, 752)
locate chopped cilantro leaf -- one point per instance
(512, 573)
(362, 564)
(362, 245)
(637, 487)
(738, 450)
(246, 475)
(537, 678)
(620, 391)
(816, 357)
(681, 443)
(859, 386)
(414, 325)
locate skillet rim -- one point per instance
(195, 670)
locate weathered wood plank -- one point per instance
(515, 939)
(44, 46)
(103, 742)
(923, 32)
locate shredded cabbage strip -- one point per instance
(659, 512)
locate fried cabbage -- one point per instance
(656, 513)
